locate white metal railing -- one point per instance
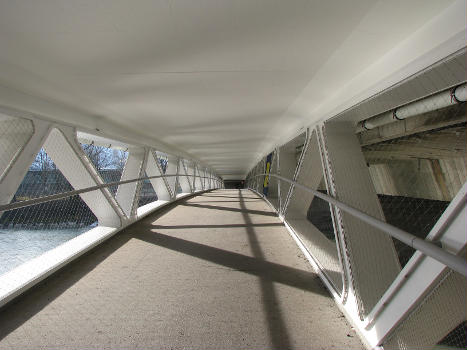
(428, 248)
(39, 200)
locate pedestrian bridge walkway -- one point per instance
(214, 270)
(126, 125)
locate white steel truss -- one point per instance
(113, 213)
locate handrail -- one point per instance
(428, 248)
(53, 197)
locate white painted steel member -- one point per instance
(430, 249)
(53, 197)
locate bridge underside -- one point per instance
(215, 270)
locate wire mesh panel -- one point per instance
(197, 181)
(311, 217)
(369, 251)
(108, 162)
(273, 193)
(14, 133)
(416, 177)
(254, 178)
(61, 146)
(184, 180)
(29, 231)
(260, 179)
(289, 155)
(190, 171)
(163, 160)
(154, 169)
(44, 179)
(202, 173)
(439, 320)
(456, 339)
(178, 189)
(146, 192)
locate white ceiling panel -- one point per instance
(221, 80)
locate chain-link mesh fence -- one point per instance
(30, 231)
(14, 133)
(178, 188)
(456, 339)
(416, 156)
(413, 140)
(44, 179)
(311, 217)
(163, 160)
(438, 322)
(289, 155)
(189, 167)
(198, 185)
(258, 180)
(58, 167)
(146, 192)
(416, 176)
(108, 162)
(273, 190)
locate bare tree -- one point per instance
(99, 156)
(104, 157)
(119, 159)
(45, 178)
(43, 162)
(45, 166)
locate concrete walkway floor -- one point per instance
(216, 271)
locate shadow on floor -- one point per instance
(248, 201)
(214, 196)
(278, 333)
(241, 210)
(23, 308)
(172, 227)
(259, 267)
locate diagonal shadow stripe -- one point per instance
(214, 196)
(277, 326)
(171, 227)
(209, 201)
(244, 211)
(266, 270)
